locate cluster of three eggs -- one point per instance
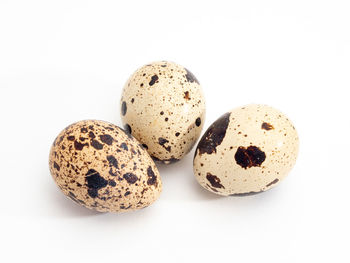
(106, 168)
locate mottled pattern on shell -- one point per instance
(163, 106)
(246, 151)
(101, 167)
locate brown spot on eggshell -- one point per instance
(214, 181)
(91, 135)
(214, 135)
(79, 146)
(94, 182)
(106, 138)
(96, 144)
(112, 161)
(124, 146)
(56, 166)
(127, 128)
(153, 80)
(162, 141)
(112, 183)
(152, 179)
(124, 108)
(130, 178)
(266, 126)
(249, 157)
(198, 122)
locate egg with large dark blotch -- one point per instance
(102, 167)
(246, 151)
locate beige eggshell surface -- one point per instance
(163, 106)
(246, 151)
(101, 167)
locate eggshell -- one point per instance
(246, 151)
(163, 106)
(99, 166)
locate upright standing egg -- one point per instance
(99, 166)
(163, 106)
(246, 151)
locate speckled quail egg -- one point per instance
(101, 167)
(163, 106)
(246, 151)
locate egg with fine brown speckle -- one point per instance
(100, 166)
(163, 106)
(246, 151)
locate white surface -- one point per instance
(63, 61)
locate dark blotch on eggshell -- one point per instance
(124, 108)
(79, 146)
(152, 179)
(214, 135)
(112, 183)
(91, 135)
(96, 144)
(249, 157)
(107, 139)
(214, 181)
(94, 182)
(266, 126)
(56, 166)
(130, 178)
(124, 146)
(127, 128)
(198, 122)
(153, 80)
(162, 141)
(70, 138)
(112, 161)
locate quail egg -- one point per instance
(163, 106)
(246, 151)
(100, 166)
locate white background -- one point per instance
(64, 61)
